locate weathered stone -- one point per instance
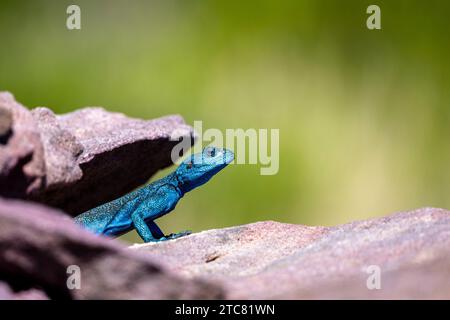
(119, 154)
(5, 125)
(38, 244)
(270, 260)
(82, 159)
(22, 165)
(61, 150)
(6, 293)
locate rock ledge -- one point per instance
(271, 260)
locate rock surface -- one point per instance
(22, 167)
(82, 159)
(6, 293)
(270, 260)
(38, 244)
(263, 260)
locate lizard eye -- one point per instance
(189, 165)
(211, 152)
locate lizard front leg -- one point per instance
(150, 232)
(160, 203)
(154, 229)
(176, 235)
(142, 228)
(157, 233)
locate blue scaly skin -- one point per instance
(140, 208)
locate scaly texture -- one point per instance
(140, 208)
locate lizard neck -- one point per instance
(176, 183)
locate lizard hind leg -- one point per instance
(150, 232)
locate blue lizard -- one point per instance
(141, 207)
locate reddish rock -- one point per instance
(38, 244)
(270, 260)
(82, 159)
(22, 165)
(6, 293)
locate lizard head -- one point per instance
(200, 167)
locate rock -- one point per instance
(22, 165)
(61, 150)
(270, 260)
(82, 159)
(38, 244)
(6, 293)
(5, 125)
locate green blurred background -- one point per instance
(363, 115)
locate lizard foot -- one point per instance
(175, 235)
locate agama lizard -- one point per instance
(141, 207)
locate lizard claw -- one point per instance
(175, 235)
